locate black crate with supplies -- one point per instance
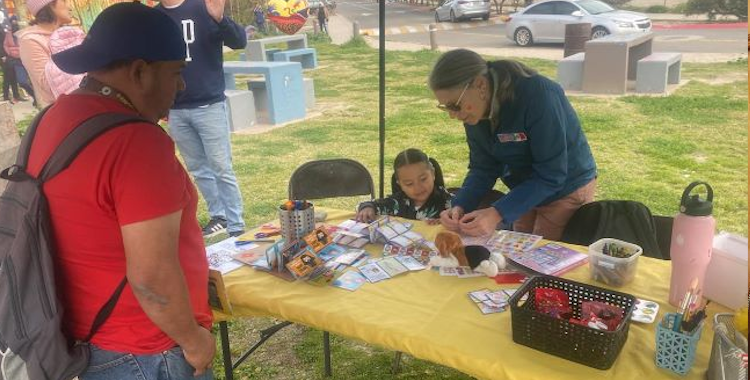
(581, 344)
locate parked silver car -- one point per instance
(455, 10)
(545, 21)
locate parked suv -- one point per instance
(545, 21)
(455, 10)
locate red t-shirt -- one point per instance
(128, 174)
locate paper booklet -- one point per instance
(390, 230)
(551, 259)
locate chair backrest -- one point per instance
(339, 177)
(663, 226)
(630, 221)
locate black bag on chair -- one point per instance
(629, 221)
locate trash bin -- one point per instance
(576, 36)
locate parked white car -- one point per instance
(545, 21)
(455, 10)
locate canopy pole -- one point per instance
(381, 118)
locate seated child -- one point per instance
(418, 190)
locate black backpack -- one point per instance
(32, 344)
(629, 221)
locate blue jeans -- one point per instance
(202, 136)
(168, 365)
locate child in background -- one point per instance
(418, 190)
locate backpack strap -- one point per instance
(17, 171)
(80, 137)
(61, 158)
(106, 310)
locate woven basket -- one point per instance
(581, 344)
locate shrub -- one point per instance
(657, 9)
(713, 8)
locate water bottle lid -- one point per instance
(693, 204)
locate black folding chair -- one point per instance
(331, 178)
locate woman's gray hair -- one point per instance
(457, 67)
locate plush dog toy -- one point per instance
(453, 254)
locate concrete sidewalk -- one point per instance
(341, 31)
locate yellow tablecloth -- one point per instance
(431, 317)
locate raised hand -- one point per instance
(216, 9)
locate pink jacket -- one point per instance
(35, 53)
(59, 81)
(10, 46)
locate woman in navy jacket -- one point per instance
(522, 130)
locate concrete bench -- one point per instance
(285, 93)
(656, 71)
(241, 109)
(611, 61)
(256, 49)
(258, 87)
(570, 72)
(306, 56)
(269, 55)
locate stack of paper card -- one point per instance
(351, 256)
(325, 274)
(476, 240)
(389, 267)
(505, 242)
(350, 280)
(490, 302)
(352, 233)
(220, 258)
(460, 272)
(422, 255)
(390, 230)
(331, 252)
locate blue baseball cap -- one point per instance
(124, 31)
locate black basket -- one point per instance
(581, 344)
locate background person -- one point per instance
(34, 43)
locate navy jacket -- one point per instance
(538, 150)
(204, 38)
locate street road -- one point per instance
(408, 23)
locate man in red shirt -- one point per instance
(126, 208)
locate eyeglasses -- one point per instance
(455, 107)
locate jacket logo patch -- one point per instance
(511, 137)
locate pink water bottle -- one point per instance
(692, 242)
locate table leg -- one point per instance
(396, 367)
(327, 353)
(227, 356)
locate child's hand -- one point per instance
(450, 218)
(366, 215)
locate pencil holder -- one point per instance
(297, 223)
(675, 350)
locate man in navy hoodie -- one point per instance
(198, 121)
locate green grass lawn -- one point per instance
(647, 149)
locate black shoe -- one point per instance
(236, 233)
(214, 227)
